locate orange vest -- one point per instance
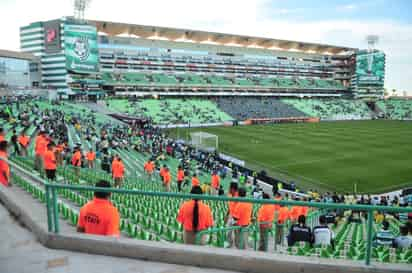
(117, 169)
(41, 145)
(49, 160)
(243, 213)
(166, 177)
(99, 217)
(23, 140)
(4, 170)
(149, 166)
(91, 156)
(195, 182)
(180, 175)
(215, 181)
(185, 216)
(77, 159)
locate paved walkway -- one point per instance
(21, 253)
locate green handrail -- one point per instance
(52, 204)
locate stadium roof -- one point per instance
(194, 36)
(17, 55)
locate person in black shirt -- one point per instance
(300, 232)
(15, 144)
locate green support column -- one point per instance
(49, 210)
(369, 239)
(55, 211)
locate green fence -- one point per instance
(53, 215)
(50, 197)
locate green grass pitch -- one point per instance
(374, 155)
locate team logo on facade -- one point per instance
(81, 48)
(51, 35)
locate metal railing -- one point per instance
(51, 196)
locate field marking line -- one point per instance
(291, 176)
(311, 161)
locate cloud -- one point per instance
(230, 16)
(348, 7)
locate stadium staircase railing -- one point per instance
(353, 239)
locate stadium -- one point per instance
(273, 143)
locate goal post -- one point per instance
(204, 141)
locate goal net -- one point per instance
(204, 141)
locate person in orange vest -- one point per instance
(242, 217)
(166, 179)
(4, 165)
(233, 192)
(2, 134)
(283, 216)
(195, 181)
(90, 156)
(266, 215)
(49, 162)
(215, 183)
(99, 216)
(117, 171)
(294, 213)
(180, 176)
(149, 167)
(24, 143)
(40, 147)
(195, 216)
(76, 162)
(58, 151)
(162, 171)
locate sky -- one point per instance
(336, 22)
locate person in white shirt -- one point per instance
(403, 241)
(322, 234)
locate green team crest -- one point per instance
(81, 48)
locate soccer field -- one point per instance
(374, 155)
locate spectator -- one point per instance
(149, 167)
(221, 191)
(118, 171)
(99, 216)
(322, 235)
(90, 156)
(242, 217)
(15, 143)
(215, 183)
(299, 232)
(166, 179)
(233, 192)
(162, 171)
(49, 162)
(40, 147)
(195, 216)
(266, 215)
(4, 165)
(403, 240)
(384, 236)
(195, 181)
(180, 176)
(76, 162)
(24, 141)
(2, 134)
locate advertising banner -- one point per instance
(52, 42)
(80, 42)
(370, 68)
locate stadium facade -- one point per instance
(18, 70)
(97, 57)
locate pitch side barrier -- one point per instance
(53, 213)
